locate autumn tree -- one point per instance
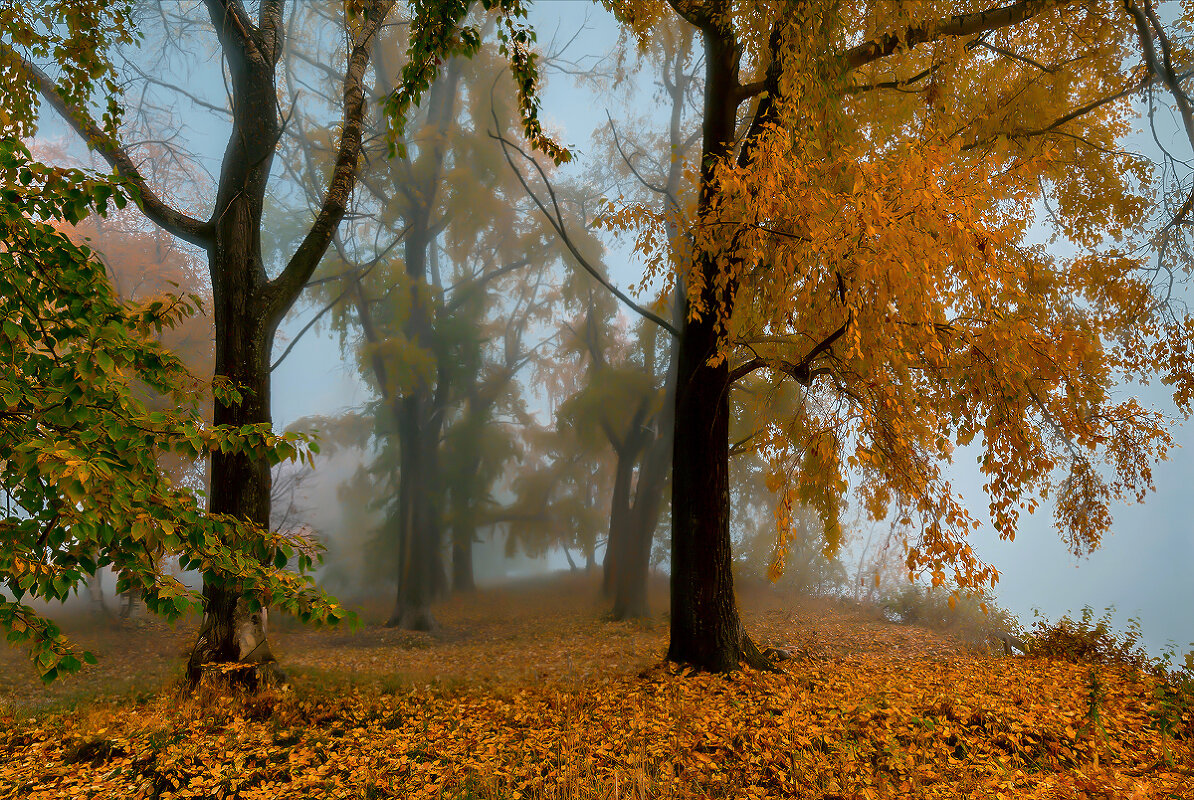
(868, 179)
(248, 302)
(79, 450)
(427, 287)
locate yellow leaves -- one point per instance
(883, 710)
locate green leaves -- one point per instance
(79, 450)
(438, 33)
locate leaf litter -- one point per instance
(529, 693)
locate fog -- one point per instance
(535, 375)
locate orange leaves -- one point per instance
(895, 204)
(865, 709)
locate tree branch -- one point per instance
(956, 25)
(151, 204)
(799, 372)
(556, 221)
(1052, 127)
(234, 27)
(355, 274)
(285, 288)
(1161, 65)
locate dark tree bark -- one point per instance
(706, 630)
(619, 518)
(630, 594)
(624, 535)
(420, 563)
(463, 580)
(248, 305)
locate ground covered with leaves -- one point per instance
(528, 692)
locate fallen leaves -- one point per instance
(864, 710)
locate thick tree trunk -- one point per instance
(705, 628)
(706, 631)
(248, 306)
(232, 629)
(419, 525)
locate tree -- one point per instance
(418, 286)
(248, 303)
(79, 449)
(865, 197)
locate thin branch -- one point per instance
(194, 98)
(800, 372)
(556, 221)
(357, 273)
(1071, 116)
(284, 288)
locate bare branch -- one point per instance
(284, 288)
(556, 221)
(154, 207)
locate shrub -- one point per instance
(1089, 641)
(974, 619)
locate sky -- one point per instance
(1142, 570)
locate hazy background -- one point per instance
(1143, 569)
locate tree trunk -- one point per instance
(95, 595)
(248, 305)
(630, 597)
(630, 600)
(420, 563)
(233, 629)
(463, 581)
(619, 520)
(421, 575)
(706, 631)
(705, 628)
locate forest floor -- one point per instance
(529, 692)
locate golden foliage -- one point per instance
(876, 243)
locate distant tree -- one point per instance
(427, 286)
